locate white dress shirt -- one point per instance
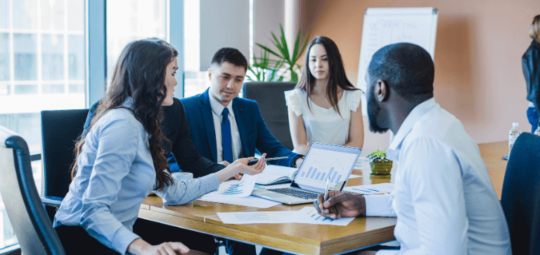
(324, 125)
(443, 197)
(217, 109)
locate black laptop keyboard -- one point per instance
(295, 193)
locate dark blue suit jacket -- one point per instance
(254, 134)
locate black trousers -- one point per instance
(77, 241)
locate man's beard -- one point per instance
(374, 110)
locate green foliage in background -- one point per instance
(285, 58)
(265, 69)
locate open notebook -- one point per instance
(273, 174)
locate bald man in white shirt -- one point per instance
(443, 198)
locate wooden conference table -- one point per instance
(202, 217)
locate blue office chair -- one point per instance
(23, 204)
(520, 198)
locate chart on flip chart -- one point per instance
(323, 164)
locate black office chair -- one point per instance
(271, 99)
(59, 130)
(23, 204)
(520, 198)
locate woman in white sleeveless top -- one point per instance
(324, 107)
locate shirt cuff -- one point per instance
(292, 160)
(387, 252)
(379, 205)
(122, 239)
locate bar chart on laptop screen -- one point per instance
(321, 164)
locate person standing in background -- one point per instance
(531, 70)
(325, 106)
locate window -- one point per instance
(129, 20)
(42, 67)
(43, 61)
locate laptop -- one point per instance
(322, 160)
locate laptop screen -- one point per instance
(326, 161)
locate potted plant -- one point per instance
(380, 165)
(266, 69)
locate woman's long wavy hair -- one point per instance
(140, 74)
(336, 76)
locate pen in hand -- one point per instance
(254, 161)
(326, 189)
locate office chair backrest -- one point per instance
(23, 205)
(271, 99)
(520, 198)
(59, 130)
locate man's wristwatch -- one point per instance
(293, 163)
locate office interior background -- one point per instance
(58, 54)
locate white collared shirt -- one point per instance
(443, 197)
(217, 109)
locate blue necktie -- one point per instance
(226, 139)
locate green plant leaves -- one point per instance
(380, 154)
(286, 60)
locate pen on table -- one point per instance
(254, 161)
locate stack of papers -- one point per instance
(308, 215)
(380, 188)
(273, 174)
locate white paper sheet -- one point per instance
(243, 201)
(257, 217)
(371, 189)
(309, 215)
(354, 176)
(236, 188)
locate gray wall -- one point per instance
(223, 24)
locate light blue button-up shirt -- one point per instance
(115, 173)
(443, 197)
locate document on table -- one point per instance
(236, 188)
(371, 189)
(307, 215)
(243, 201)
(354, 176)
(238, 192)
(257, 217)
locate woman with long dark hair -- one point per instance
(324, 107)
(120, 160)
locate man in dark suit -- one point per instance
(243, 131)
(225, 127)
